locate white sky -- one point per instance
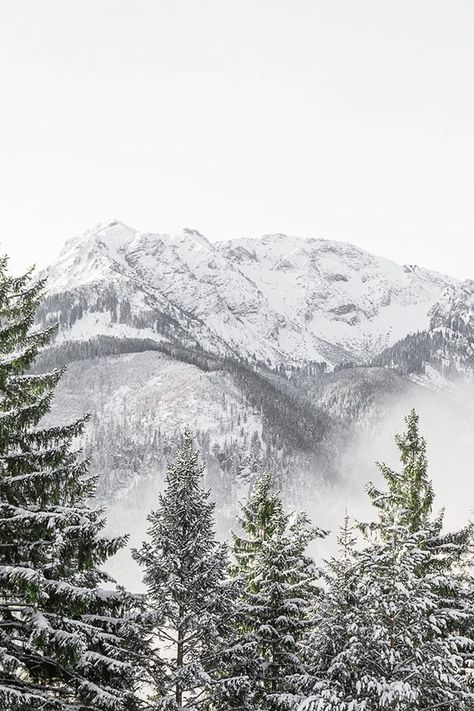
(349, 120)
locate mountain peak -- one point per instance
(196, 237)
(115, 234)
(114, 228)
(278, 298)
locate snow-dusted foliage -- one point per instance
(394, 630)
(65, 638)
(189, 595)
(280, 586)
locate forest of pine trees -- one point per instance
(386, 624)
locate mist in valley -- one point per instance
(446, 422)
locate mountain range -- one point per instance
(279, 352)
(277, 299)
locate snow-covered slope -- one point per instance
(337, 293)
(445, 350)
(140, 402)
(454, 309)
(278, 299)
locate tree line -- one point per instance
(254, 624)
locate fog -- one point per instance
(446, 422)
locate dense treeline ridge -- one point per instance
(294, 430)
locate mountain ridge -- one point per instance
(275, 299)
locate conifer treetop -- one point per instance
(409, 492)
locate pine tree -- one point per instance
(280, 583)
(63, 636)
(401, 641)
(450, 553)
(259, 517)
(411, 488)
(333, 621)
(191, 599)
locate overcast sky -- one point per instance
(348, 120)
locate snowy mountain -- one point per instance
(446, 347)
(277, 299)
(336, 297)
(286, 354)
(454, 310)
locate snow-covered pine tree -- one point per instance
(400, 643)
(280, 585)
(63, 636)
(284, 591)
(259, 516)
(450, 552)
(411, 487)
(332, 620)
(189, 594)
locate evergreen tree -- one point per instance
(280, 583)
(333, 620)
(411, 488)
(63, 637)
(191, 600)
(259, 517)
(401, 641)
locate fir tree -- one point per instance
(280, 583)
(63, 636)
(333, 619)
(401, 641)
(189, 595)
(259, 517)
(411, 488)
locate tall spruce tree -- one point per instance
(63, 636)
(410, 488)
(189, 594)
(259, 517)
(403, 638)
(333, 620)
(280, 584)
